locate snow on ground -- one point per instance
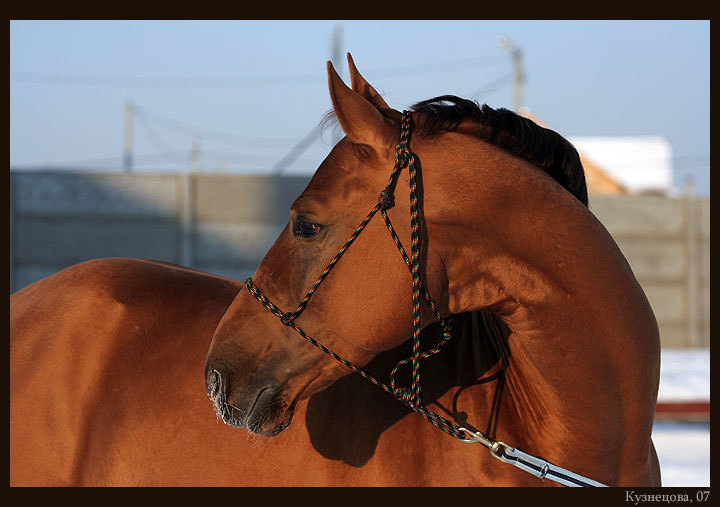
(684, 452)
(684, 374)
(684, 447)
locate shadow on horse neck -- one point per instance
(500, 233)
(480, 343)
(480, 350)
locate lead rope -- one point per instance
(411, 396)
(404, 156)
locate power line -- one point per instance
(147, 116)
(421, 68)
(195, 131)
(160, 82)
(242, 157)
(154, 139)
(304, 143)
(492, 86)
(297, 150)
(237, 81)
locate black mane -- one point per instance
(518, 135)
(523, 138)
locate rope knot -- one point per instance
(287, 318)
(403, 394)
(402, 155)
(386, 200)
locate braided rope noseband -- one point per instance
(409, 396)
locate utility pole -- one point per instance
(337, 61)
(693, 268)
(195, 156)
(518, 74)
(128, 154)
(337, 45)
(302, 145)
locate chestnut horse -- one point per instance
(552, 355)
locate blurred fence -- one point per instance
(667, 242)
(224, 224)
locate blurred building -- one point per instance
(640, 165)
(598, 181)
(623, 165)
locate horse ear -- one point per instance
(361, 121)
(361, 86)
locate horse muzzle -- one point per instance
(258, 406)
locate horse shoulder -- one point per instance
(95, 296)
(79, 337)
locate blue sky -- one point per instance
(245, 92)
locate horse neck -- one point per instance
(530, 252)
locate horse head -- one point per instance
(257, 368)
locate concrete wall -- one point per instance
(224, 224)
(667, 243)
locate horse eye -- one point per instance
(305, 228)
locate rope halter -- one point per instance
(411, 395)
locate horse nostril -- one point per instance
(213, 382)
